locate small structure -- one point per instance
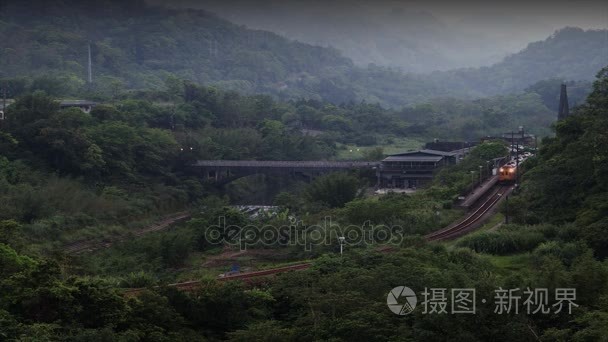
(3, 106)
(412, 169)
(83, 105)
(564, 108)
(311, 132)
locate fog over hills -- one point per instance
(413, 35)
(226, 173)
(135, 46)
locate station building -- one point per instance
(412, 169)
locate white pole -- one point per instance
(90, 66)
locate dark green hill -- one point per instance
(137, 46)
(142, 44)
(569, 54)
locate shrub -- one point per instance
(503, 242)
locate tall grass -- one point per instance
(509, 239)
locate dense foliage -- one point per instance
(340, 298)
(568, 182)
(554, 57)
(459, 178)
(67, 175)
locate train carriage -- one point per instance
(507, 174)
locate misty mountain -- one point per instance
(415, 37)
(134, 45)
(139, 46)
(568, 54)
(414, 41)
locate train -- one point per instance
(507, 174)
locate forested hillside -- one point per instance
(172, 87)
(411, 36)
(136, 46)
(569, 54)
(569, 184)
(558, 242)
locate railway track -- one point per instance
(453, 231)
(470, 221)
(91, 245)
(193, 285)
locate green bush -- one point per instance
(503, 242)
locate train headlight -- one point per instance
(511, 170)
(501, 169)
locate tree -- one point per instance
(333, 190)
(489, 150)
(9, 230)
(373, 154)
(268, 331)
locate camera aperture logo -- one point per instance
(401, 300)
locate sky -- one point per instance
(547, 14)
(415, 35)
(557, 13)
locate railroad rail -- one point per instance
(193, 285)
(472, 219)
(92, 245)
(450, 232)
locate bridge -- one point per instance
(225, 171)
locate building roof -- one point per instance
(448, 146)
(441, 153)
(406, 158)
(516, 135)
(425, 153)
(311, 132)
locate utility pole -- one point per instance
(489, 169)
(212, 48)
(507, 210)
(564, 109)
(4, 89)
(512, 144)
(517, 164)
(172, 119)
(472, 180)
(4, 98)
(90, 69)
